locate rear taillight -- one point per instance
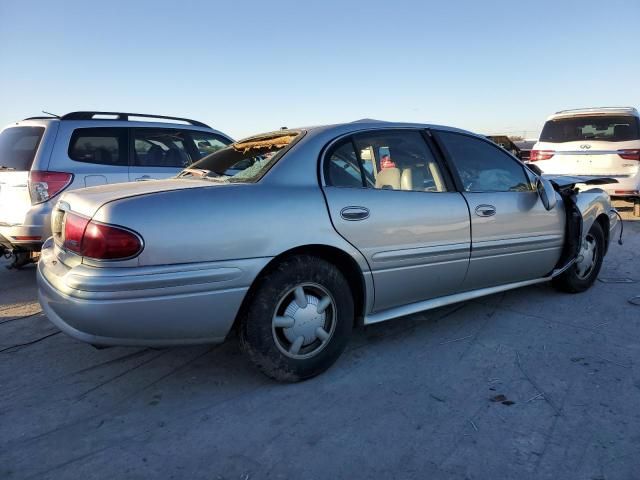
(537, 155)
(74, 227)
(106, 242)
(630, 154)
(99, 240)
(46, 185)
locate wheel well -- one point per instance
(342, 260)
(603, 220)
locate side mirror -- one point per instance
(547, 193)
(535, 169)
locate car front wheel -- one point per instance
(581, 275)
(298, 320)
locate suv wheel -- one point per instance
(299, 320)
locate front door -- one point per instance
(389, 197)
(514, 238)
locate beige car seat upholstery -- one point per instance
(388, 178)
(412, 179)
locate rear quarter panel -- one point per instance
(225, 222)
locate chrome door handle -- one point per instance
(354, 213)
(485, 210)
(143, 178)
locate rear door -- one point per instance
(163, 152)
(514, 238)
(18, 147)
(591, 145)
(389, 197)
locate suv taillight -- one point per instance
(46, 185)
(630, 154)
(537, 155)
(99, 240)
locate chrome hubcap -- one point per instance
(304, 321)
(587, 259)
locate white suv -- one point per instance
(42, 156)
(594, 141)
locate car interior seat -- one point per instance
(388, 178)
(175, 158)
(413, 178)
(154, 157)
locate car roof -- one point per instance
(346, 128)
(88, 123)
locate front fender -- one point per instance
(594, 203)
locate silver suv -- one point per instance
(42, 156)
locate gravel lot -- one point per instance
(413, 398)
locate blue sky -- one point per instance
(251, 66)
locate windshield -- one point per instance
(244, 161)
(18, 146)
(619, 128)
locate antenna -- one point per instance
(52, 114)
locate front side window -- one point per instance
(399, 160)
(483, 166)
(18, 146)
(245, 161)
(161, 148)
(104, 146)
(207, 143)
(608, 128)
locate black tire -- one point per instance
(571, 281)
(265, 343)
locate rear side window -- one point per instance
(104, 146)
(342, 168)
(606, 128)
(483, 166)
(18, 147)
(400, 160)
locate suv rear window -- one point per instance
(606, 128)
(18, 147)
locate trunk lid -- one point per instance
(87, 201)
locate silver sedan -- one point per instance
(295, 236)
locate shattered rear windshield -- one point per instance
(244, 161)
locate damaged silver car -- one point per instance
(294, 237)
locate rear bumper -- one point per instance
(151, 306)
(32, 232)
(630, 185)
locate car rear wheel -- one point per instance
(298, 320)
(581, 275)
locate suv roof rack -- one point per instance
(595, 109)
(125, 116)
